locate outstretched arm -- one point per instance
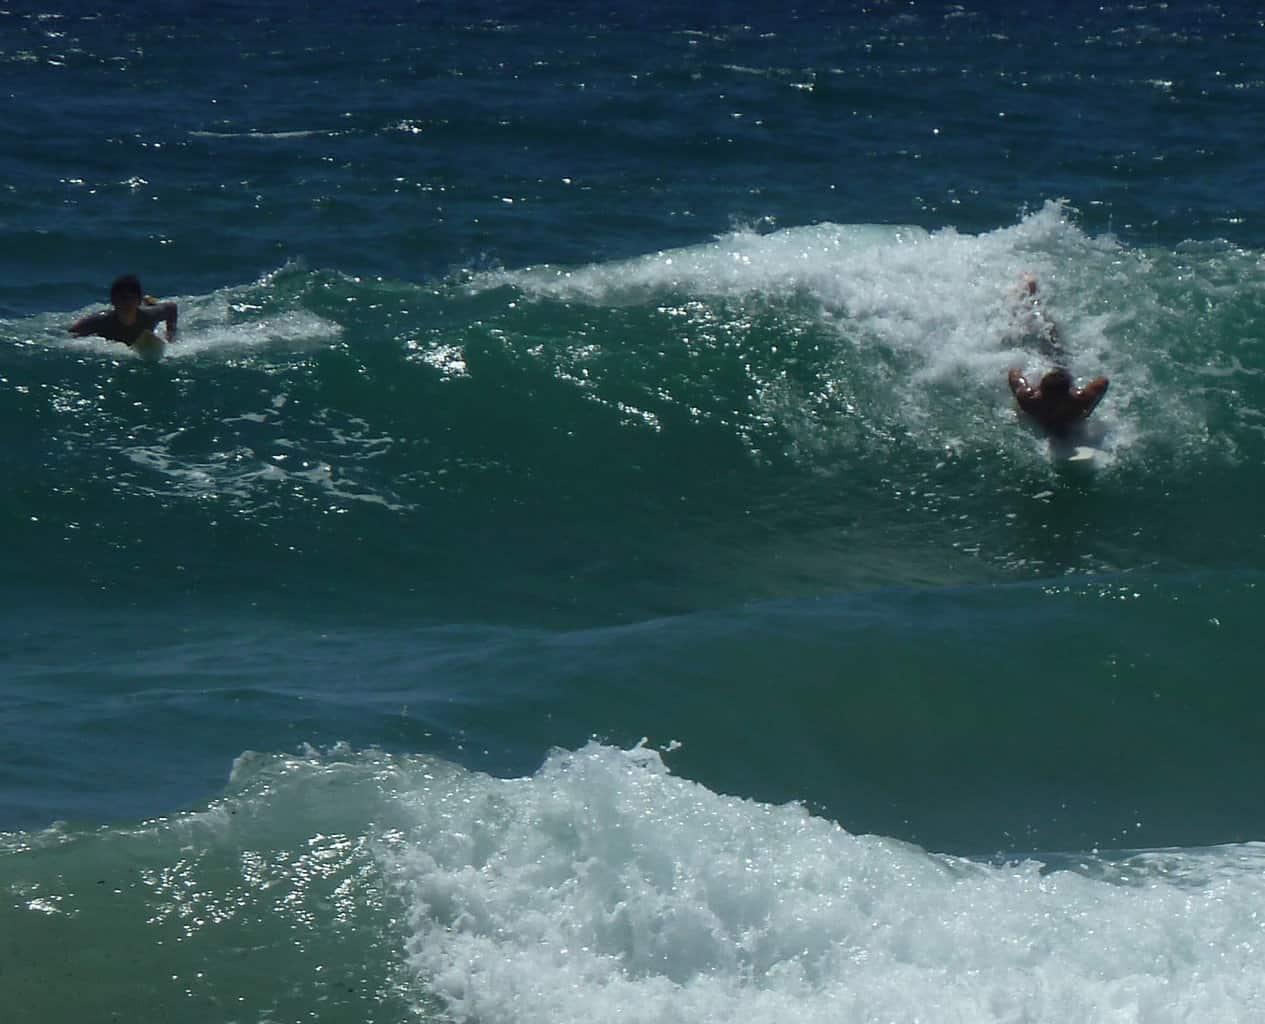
(1019, 384)
(172, 313)
(164, 310)
(1091, 394)
(85, 325)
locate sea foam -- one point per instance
(605, 888)
(924, 322)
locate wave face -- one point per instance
(775, 478)
(810, 410)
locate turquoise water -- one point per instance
(581, 558)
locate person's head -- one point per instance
(126, 291)
(1055, 383)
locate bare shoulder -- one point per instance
(1096, 388)
(88, 324)
(1091, 394)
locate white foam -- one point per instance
(913, 286)
(299, 133)
(603, 888)
(925, 321)
(203, 332)
(206, 329)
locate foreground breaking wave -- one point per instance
(603, 886)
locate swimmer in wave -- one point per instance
(1033, 327)
(1055, 403)
(134, 314)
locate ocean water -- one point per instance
(580, 560)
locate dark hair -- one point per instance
(1057, 380)
(128, 284)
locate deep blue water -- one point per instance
(580, 556)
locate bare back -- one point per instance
(1057, 412)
